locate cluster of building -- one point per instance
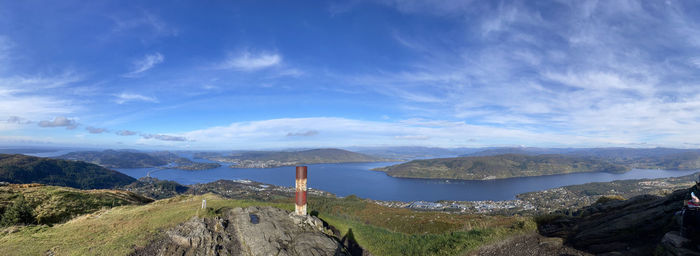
(463, 206)
(260, 164)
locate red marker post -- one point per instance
(301, 190)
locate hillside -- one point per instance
(116, 159)
(76, 174)
(358, 224)
(53, 204)
(497, 167)
(569, 198)
(619, 227)
(642, 158)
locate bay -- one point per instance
(358, 179)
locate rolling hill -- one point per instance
(497, 167)
(76, 174)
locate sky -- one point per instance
(301, 74)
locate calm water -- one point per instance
(358, 179)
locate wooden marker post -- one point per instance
(301, 190)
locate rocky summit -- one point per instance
(247, 231)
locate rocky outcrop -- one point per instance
(628, 227)
(249, 231)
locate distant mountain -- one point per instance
(135, 159)
(325, 155)
(267, 159)
(409, 153)
(116, 159)
(497, 167)
(519, 150)
(76, 174)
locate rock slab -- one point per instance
(248, 231)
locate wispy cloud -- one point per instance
(37, 97)
(574, 73)
(142, 65)
(143, 19)
(164, 137)
(18, 120)
(340, 132)
(5, 46)
(126, 133)
(59, 121)
(127, 97)
(303, 134)
(250, 61)
(95, 130)
(412, 137)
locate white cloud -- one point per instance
(147, 62)
(60, 121)
(342, 132)
(127, 97)
(575, 73)
(248, 61)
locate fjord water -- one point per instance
(359, 179)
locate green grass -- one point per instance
(53, 204)
(116, 231)
(391, 231)
(381, 230)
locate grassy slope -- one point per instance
(54, 204)
(115, 231)
(393, 231)
(381, 230)
(500, 166)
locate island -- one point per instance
(499, 167)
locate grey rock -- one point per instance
(248, 231)
(675, 239)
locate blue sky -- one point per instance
(290, 74)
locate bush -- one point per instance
(605, 199)
(19, 213)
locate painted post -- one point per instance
(204, 203)
(301, 190)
